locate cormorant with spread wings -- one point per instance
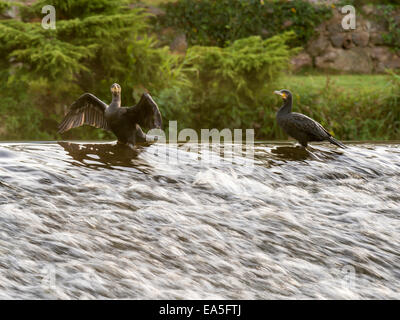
(124, 122)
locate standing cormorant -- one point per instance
(299, 126)
(124, 122)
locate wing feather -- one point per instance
(91, 116)
(146, 113)
(308, 125)
(89, 110)
(87, 115)
(98, 119)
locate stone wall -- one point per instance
(355, 51)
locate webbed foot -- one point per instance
(151, 138)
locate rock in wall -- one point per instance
(350, 51)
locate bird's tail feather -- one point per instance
(336, 142)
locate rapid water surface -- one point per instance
(86, 221)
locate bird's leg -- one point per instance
(144, 137)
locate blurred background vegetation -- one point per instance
(238, 52)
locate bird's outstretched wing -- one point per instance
(88, 109)
(146, 113)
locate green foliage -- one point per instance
(35, 54)
(224, 21)
(85, 54)
(175, 103)
(74, 47)
(389, 14)
(395, 78)
(229, 84)
(43, 71)
(18, 117)
(4, 5)
(155, 67)
(350, 107)
(71, 9)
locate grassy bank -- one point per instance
(347, 83)
(352, 107)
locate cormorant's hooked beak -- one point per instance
(282, 94)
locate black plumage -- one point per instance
(299, 126)
(124, 122)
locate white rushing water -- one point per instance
(89, 221)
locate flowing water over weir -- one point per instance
(169, 222)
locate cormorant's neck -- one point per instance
(116, 100)
(287, 106)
